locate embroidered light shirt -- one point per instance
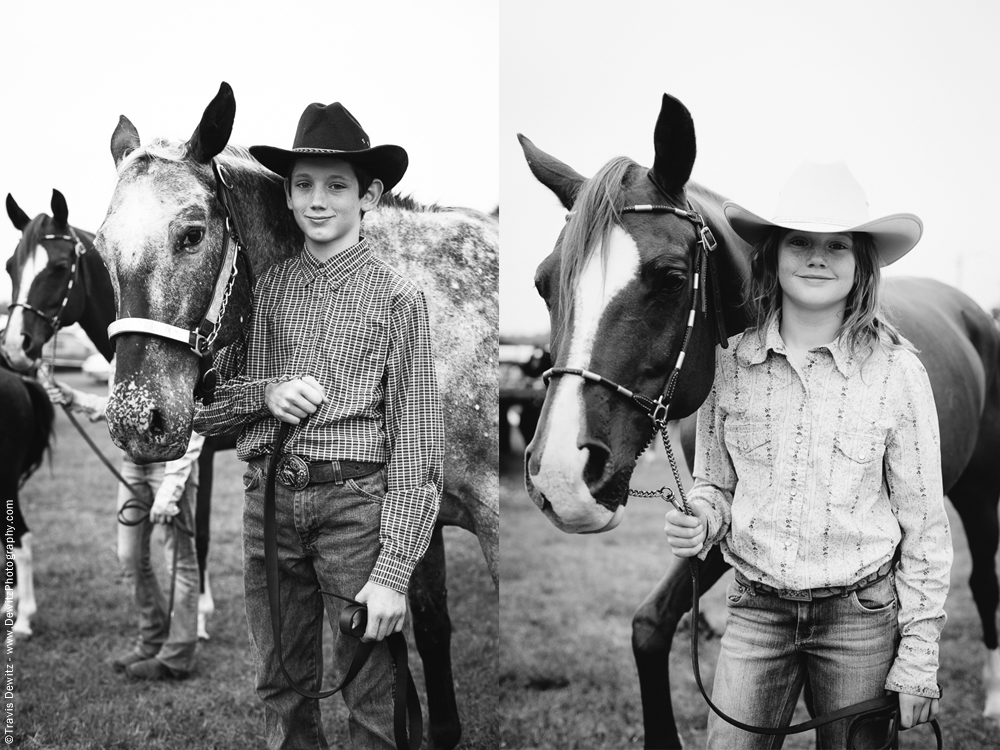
(812, 476)
(360, 329)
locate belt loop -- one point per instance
(338, 475)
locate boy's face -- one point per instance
(323, 197)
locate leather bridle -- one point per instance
(79, 249)
(201, 339)
(704, 271)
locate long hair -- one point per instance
(866, 325)
(596, 212)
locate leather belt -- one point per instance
(821, 593)
(295, 473)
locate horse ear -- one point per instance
(212, 133)
(673, 139)
(18, 218)
(560, 178)
(60, 212)
(124, 140)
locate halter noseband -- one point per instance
(656, 409)
(55, 321)
(201, 339)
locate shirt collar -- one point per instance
(337, 269)
(751, 351)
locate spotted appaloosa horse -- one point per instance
(619, 288)
(54, 262)
(162, 242)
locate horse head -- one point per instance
(45, 271)
(620, 288)
(163, 242)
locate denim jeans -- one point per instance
(845, 645)
(172, 640)
(328, 538)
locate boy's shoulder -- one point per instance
(387, 277)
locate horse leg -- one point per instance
(977, 507)
(432, 632)
(26, 605)
(203, 510)
(653, 628)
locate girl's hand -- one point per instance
(686, 534)
(915, 709)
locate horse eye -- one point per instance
(673, 283)
(193, 236)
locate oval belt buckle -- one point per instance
(293, 472)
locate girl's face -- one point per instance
(816, 270)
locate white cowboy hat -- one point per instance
(827, 198)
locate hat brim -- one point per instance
(387, 163)
(894, 235)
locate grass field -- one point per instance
(567, 674)
(66, 694)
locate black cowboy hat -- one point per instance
(330, 130)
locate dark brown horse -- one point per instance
(58, 280)
(162, 240)
(27, 416)
(619, 287)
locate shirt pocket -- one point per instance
(858, 461)
(356, 353)
(752, 453)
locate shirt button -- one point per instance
(794, 493)
(798, 439)
(862, 454)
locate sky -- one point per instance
(907, 93)
(424, 76)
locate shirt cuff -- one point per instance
(914, 672)
(393, 572)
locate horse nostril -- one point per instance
(26, 343)
(155, 422)
(597, 462)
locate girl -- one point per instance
(818, 471)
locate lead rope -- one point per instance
(352, 622)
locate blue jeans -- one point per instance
(844, 644)
(328, 538)
(172, 640)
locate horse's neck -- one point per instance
(272, 233)
(731, 259)
(99, 304)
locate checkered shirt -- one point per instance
(360, 329)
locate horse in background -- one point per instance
(162, 240)
(27, 417)
(619, 287)
(59, 279)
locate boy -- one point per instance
(338, 346)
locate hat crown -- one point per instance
(330, 128)
(822, 194)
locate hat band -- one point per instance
(818, 220)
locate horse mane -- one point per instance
(595, 213)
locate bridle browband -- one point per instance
(79, 249)
(202, 338)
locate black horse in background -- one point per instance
(26, 415)
(59, 279)
(619, 286)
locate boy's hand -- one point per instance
(58, 393)
(386, 610)
(686, 534)
(293, 400)
(915, 709)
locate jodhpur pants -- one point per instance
(845, 645)
(172, 640)
(328, 538)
